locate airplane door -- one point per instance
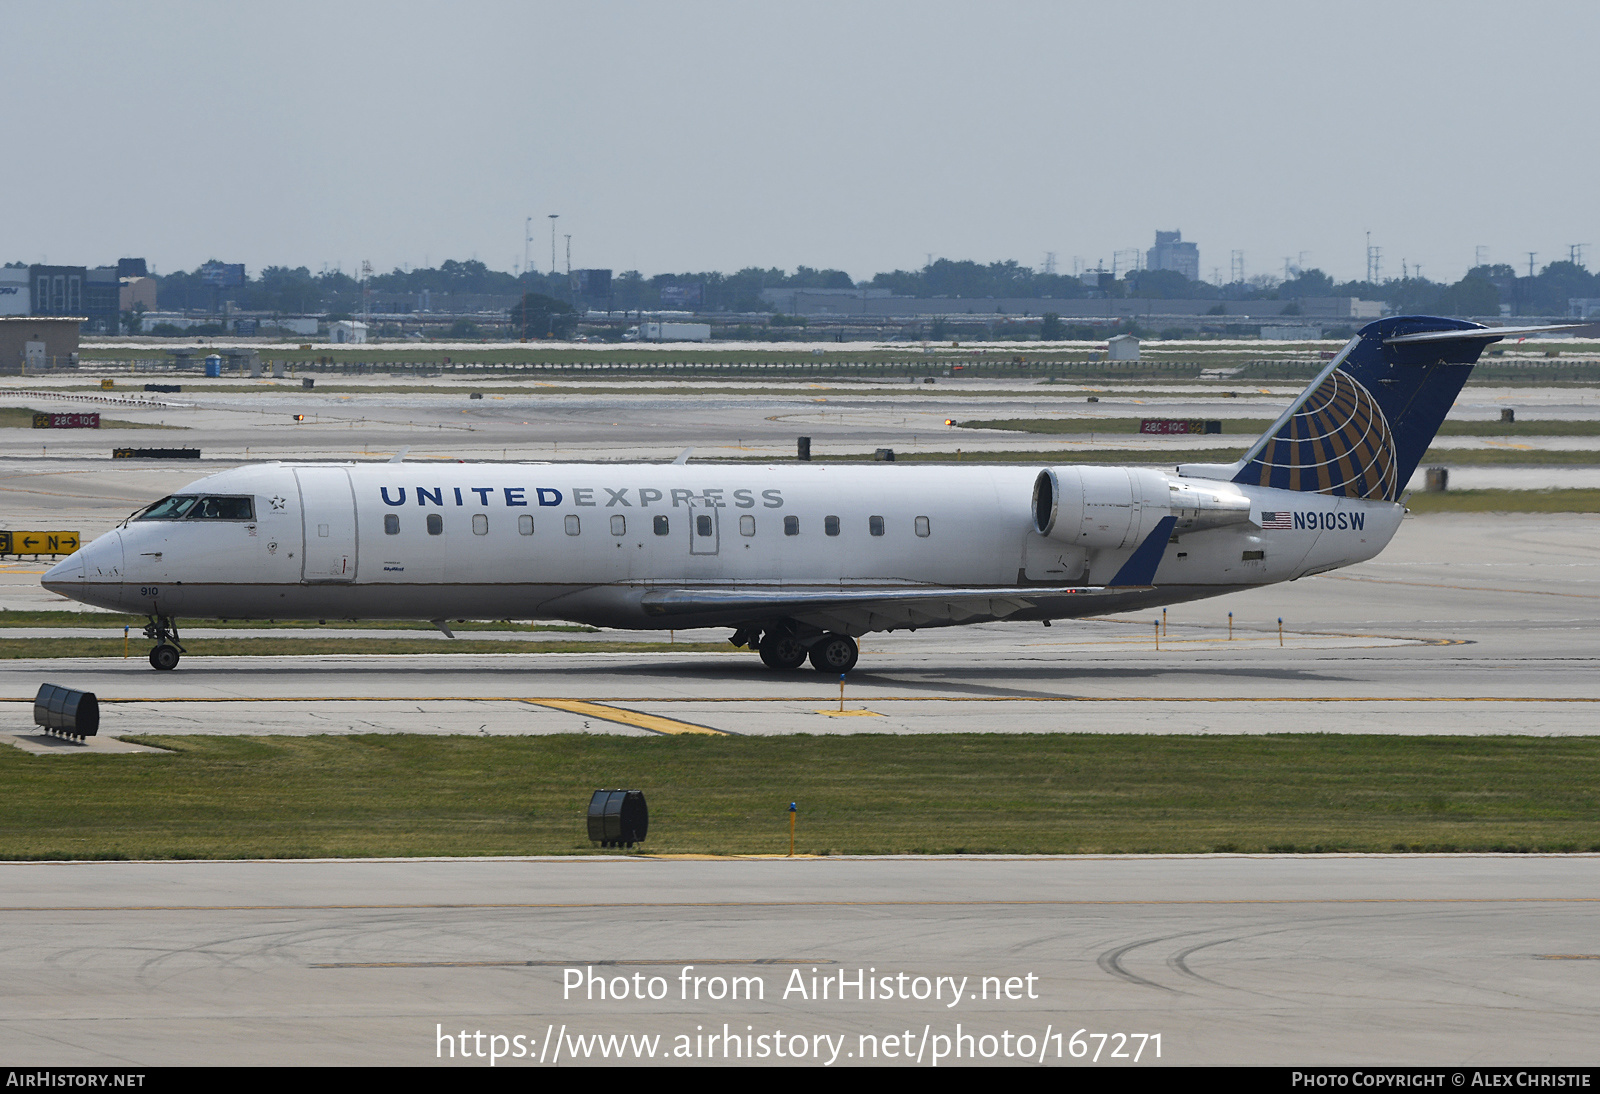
(704, 527)
(328, 516)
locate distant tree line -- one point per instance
(293, 291)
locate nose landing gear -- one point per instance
(163, 631)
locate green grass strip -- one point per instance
(1506, 501)
(286, 797)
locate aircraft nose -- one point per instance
(68, 570)
(100, 560)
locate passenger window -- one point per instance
(702, 526)
(791, 526)
(662, 526)
(747, 525)
(922, 527)
(480, 524)
(875, 525)
(391, 524)
(525, 525)
(619, 524)
(435, 524)
(572, 525)
(830, 526)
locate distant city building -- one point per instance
(102, 298)
(57, 290)
(14, 294)
(592, 284)
(1172, 253)
(137, 291)
(821, 301)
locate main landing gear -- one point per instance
(786, 651)
(163, 631)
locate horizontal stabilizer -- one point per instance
(1488, 334)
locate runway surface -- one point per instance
(1450, 960)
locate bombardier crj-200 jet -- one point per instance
(798, 559)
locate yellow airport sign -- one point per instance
(38, 543)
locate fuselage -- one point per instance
(588, 542)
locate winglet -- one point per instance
(1140, 569)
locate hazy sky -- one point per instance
(694, 135)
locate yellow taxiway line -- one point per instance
(653, 723)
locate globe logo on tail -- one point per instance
(1337, 442)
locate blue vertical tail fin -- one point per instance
(1360, 429)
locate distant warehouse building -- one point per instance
(32, 343)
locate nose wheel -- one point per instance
(163, 631)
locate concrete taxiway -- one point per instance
(1448, 960)
(1465, 624)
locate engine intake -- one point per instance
(1109, 508)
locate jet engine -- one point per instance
(1109, 508)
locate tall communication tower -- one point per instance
(553, 217)
(1575, 253)
(1480, 256)
(1236, 267)
(1531, 255)
(366, 291)
(1050, 263)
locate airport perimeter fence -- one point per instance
(902, 371)
(1578, 368)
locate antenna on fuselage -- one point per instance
(683, 457)
(400, 456)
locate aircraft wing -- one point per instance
(860, 609)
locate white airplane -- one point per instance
(799, 559)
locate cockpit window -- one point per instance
(224, 508)
(172, 508)
(190, 507)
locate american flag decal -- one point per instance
(1279, 519)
